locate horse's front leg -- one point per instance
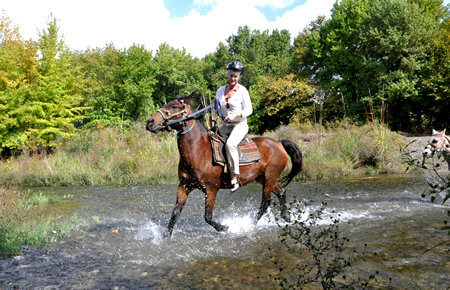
(210, 200)
(182, 196)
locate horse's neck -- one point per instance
(192, 142)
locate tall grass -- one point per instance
(96, 157)
(343, 149)
(115, 156)
(23, 220)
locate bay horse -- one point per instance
(197, 170)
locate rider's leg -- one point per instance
(236, 136)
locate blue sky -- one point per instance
(179, 8)
(195, 25)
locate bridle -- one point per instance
(166, 115)
(433, 146)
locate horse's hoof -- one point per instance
(222, 228)
(287, 218)
(167, 235)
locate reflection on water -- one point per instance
(121, 242)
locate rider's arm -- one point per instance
(247, 108)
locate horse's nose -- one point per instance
(150, 123)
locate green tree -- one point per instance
(98, 67)
(262, 53)
(18, 74)
(42, 104)
(118, 83)
(135, 83)
(177, 73)
(281, 101)
(374, 51)
(435, 79)
(399, 43)
(214, 67)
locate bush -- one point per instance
(341, 149)
(111, 155)
(23, 221)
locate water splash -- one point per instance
(150, 231)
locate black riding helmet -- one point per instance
(236, 66)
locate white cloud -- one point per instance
(94, 23)
(299, 17)
(260, 3)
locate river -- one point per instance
(119, 243)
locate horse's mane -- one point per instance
(201, 121)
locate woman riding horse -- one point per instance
(197, 169)
(234, 106)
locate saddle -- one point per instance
(248, 151)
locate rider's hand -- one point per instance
(231, 117)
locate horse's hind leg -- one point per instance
(182, 196)
(265, 203)
(210, 200)
(281, 194)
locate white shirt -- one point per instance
(239, 103)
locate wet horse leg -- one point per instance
(281, 194)
(182, 195)
(265, 203)
(210, 200)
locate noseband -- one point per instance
(438, 146)
(167, 116)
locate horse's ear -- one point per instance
(443, 132)
(435, 132)
(188, 99)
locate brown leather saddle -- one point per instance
(248, 151)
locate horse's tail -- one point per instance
(296, 157)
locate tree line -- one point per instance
(387, 58)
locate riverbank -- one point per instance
(132, 156)
(26, 221)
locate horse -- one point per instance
(197, 170)
(438, 144)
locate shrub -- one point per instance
(112, 155)
(23, 222)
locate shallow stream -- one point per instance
(119, 241)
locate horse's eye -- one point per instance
(174, 107)
(434, 141)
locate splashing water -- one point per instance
(150, 231)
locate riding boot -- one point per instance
(234, 184)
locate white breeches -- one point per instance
(238, 132)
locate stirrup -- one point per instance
(234, 186)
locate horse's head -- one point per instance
(438, 143)
(172, 111)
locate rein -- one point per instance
(195, 114)
(187, 131)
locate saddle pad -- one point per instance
(248, 152)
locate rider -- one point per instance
(233, 104)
